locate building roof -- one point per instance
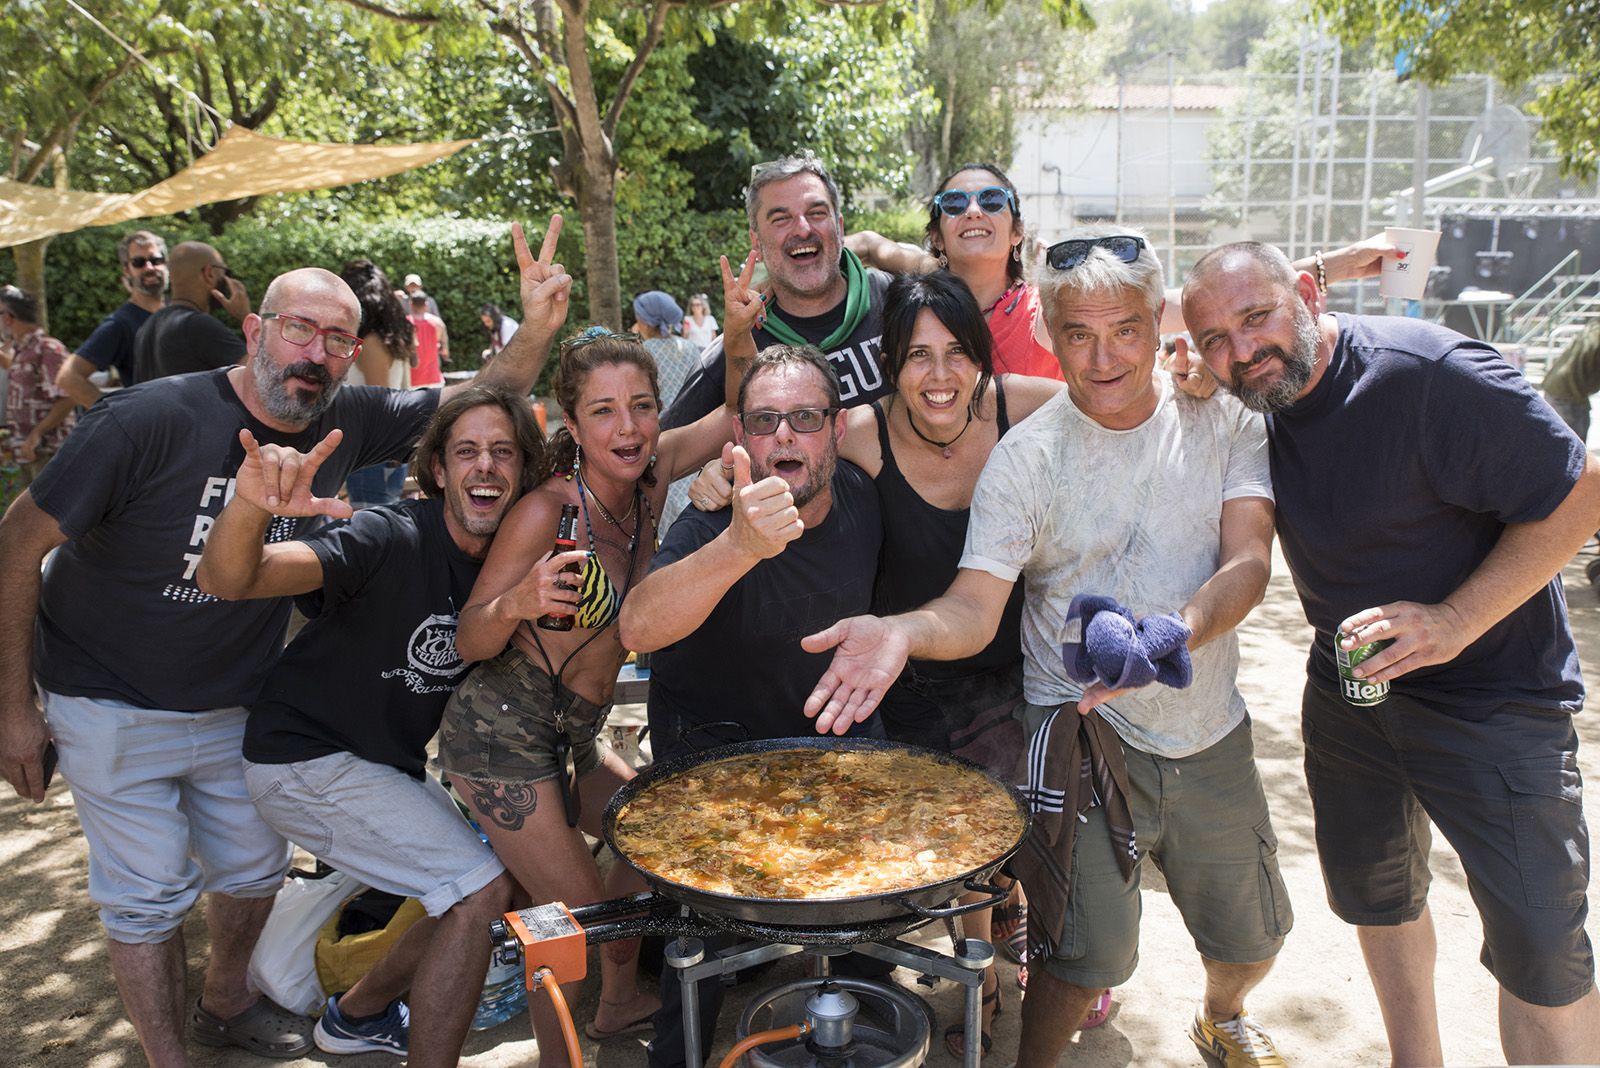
(1154, 97)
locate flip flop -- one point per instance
(955, 1036)
(1099, 1012)
(643, 1023)
(266, 1029)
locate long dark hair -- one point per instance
(953, 304)
(1013, 264)
(580, 355)
(437, 435)
(496, 317)
(381, 311)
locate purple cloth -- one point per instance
(1122, 652)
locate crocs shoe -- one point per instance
(265, 1029)
(386, 1034)
(1237, 1042)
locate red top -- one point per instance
(1017, 351)
(426, 372)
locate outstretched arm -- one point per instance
(545, 288)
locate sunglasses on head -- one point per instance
(990, 198)
(138, 262)
(1065, 255)
(801, 421)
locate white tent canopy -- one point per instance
(243, 164)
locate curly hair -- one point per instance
(381, 311)
(436, 436)
(581, 355)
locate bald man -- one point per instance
(184, 336)
(144, 677)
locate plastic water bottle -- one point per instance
(505, 994)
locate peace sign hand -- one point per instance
(546, 287)
(743, 308)
(277, 479)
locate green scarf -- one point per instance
(858, 295)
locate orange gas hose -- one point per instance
(761, 1038)
(545, 978)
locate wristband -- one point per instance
(1322, 273)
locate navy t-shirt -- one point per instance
(372, 670)
(111, 344)
(855, 360)
(744, 663)
(136, 488)
(1395, 477)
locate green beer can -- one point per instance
(1361, 692)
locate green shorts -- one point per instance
(1204, 820)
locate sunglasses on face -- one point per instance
(990, 198)
(301, 332)
(801, 421)
(1065, 255)
(138, 262)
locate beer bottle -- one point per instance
(566, 541)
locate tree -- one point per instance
(1513, 39)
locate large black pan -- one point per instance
(811, 912)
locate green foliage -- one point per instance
(1513, 39)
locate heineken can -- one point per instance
(1363, 692)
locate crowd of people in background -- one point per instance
(998, 501)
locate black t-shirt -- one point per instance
(178, 340)
(111, 344)
(744, 663)
(1396, 476)
(372, 670)
(136, 488)
(856, 360)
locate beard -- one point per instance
(1299, 363)
(819, 473)
(283, 404)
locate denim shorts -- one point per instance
(161, 798)
(1507, 795)
(501, 725)
(395, 833)
(1204, 820)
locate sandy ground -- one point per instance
(61, 1007)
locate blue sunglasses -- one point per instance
(990, 198)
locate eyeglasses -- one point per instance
(801, 421)
(1065, 255)
(297, 331)
(990, 198)
(138, 262)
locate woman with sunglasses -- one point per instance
(519, 737)
(924, 446)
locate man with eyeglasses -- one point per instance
(142, 258)
(820, 292)
(1428, 499)
(144, 676)
(184, 336)
(1142, 520)
(730, 593)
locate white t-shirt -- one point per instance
(700, 333)
(1130, 514)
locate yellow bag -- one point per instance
(342, 961)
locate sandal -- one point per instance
(1099, 1011)
(643, 1023)
(265, 1029)
(955, 1036)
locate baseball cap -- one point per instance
(413, 280)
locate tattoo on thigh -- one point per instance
(507, 805)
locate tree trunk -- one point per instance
(597, 204)
(30, 274)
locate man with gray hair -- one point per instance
(144, 676)
(821, 293)
(1428, 499)
(1103, 499)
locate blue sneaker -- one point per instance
(386, 1034)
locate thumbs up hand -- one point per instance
(765, 518)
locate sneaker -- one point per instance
(386, 1034)
(1236, 1042)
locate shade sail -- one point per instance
(243, 164)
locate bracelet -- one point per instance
(1322, 273)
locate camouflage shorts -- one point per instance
(500, 724)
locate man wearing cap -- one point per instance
(413, 284)
(184, 336)
(142, 259)
(433, 341)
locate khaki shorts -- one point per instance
(501, 724)
(1204, 820)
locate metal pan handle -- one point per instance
(997, 896)
(685, 733)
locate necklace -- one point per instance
(1008, 291)
(945, 445)
(605, 513)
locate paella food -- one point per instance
(810, 823)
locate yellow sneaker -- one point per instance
(1237, 1042)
